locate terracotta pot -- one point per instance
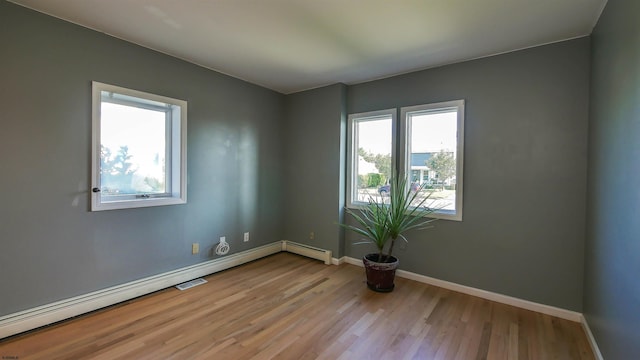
(380, 275)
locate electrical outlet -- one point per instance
(246, 237)
(195, 248)
(312, 235)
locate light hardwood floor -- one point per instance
(289, 307)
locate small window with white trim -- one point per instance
(138, 149)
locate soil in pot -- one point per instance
(380, 275)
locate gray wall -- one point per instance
(523, 224)
(525, 167)
(612, 262)
(51, 246)
(315, 180)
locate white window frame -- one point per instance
(405, 145)
(176, 149)
(400, 156)
(352, 151)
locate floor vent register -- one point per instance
(190, 284)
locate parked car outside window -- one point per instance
(384, 189)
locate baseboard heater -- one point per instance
(308, 251)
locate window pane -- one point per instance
(132, 150)
(433, 158)
(139, 144)
(373, 142)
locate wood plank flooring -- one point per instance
(289, 307)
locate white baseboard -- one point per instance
(352, 261)
(336, 261)
(504, 299)
(47, 314)
(591, 339)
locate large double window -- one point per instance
(139, 149)
(425, 144)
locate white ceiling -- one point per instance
(293, 45)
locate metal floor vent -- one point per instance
(190, 284)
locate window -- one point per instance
(431, 139)
(138, 150)
(372, 152)
(432, 143)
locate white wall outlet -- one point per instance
(312, 235)
(195, 248)
(246, 237)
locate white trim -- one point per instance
(336, 261)
(50, 313)
(590, 338)
(352, 261)
(504, 299)
(308, 251)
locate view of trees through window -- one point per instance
(382, 163)
(432, 147)
(373, 141)
(443, 165)
(132, 150)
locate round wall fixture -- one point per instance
(222, 248)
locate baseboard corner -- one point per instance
(590, 338)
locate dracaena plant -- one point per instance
(380, 222)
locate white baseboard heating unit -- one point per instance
(308, 251)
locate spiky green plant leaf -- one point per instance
(378, 222)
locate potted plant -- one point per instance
(382, 223)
